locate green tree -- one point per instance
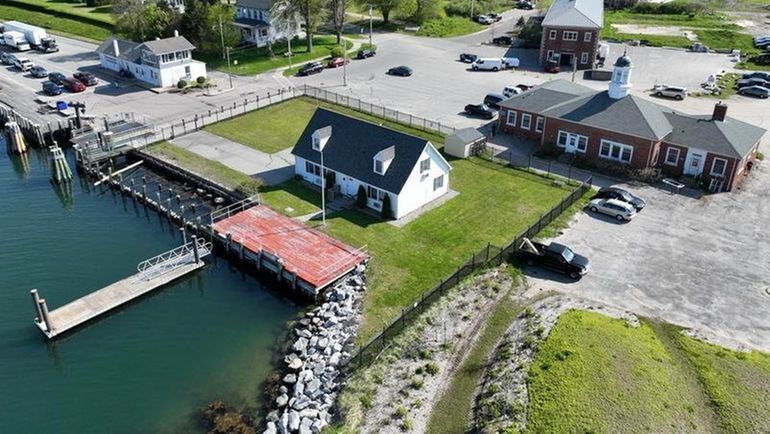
(361, 197)
(194, 24)
(337, 16)
(425, 10)
(285, 20)
(157, 22)
(531, 33)
(312, 12)
(387, 211)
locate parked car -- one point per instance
(487, 64)
(676, 92)
(73, 85)
(480, 110)
(493, 100)
(510, 62)
(336, 62)
(509, 91)
(38, 72)
(757, 91)
(745, 82)
(758, 74)
(468, 58)
(622, 211)
(7, 58)
(86, 78)
(56, 77)
(502, 40)
(483, 19)
(554, 256)
(23, 64)
(552, 66)
(51, 88)
(363, 54)
(621, 195)
(402, 71)
(762, 43)
(524, 87)
(525, 4)
(495, 17)
(310, 68)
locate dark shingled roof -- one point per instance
(168, 45)
(630, 115)
(254, 4)
(546, 95)
(250, 22)
(731, 138)
(108, 47)
(623, 61)
(353, 145)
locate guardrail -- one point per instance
(173, 258)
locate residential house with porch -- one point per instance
(385, 162)
(571, 33)
(253, 20)
(617, 128)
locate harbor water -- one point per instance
(147, 367)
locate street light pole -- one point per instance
(222, 36)
(344, 62)
(288, 40)
(229, 68)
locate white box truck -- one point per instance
(16, 40)
(37, 37)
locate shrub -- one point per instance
(361, 197)
(521, 22)
(200, 80)
(338, 51)
(531, 33)
(406, 425)
(387, 211)
(417, 382)
(679, 7)
(431, 368)
(760, 156)
(417, 403)
(181, 84)
(366, 401)
(250, 187)
(400, 412)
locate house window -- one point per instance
(312, 169)
(552, 34)
(539, 124)
(438, 182)
(569, 36)
(584, 58)
(263, 32)
(580, 142)
(672, 156)
(378, 167)
(511, 119)
(375, 193)
(526, 120)
(587, 37)
(549, 54)
(616, 151)
(718, 167)
(425, 165)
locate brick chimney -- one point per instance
(720, 112)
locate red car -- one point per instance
(73, 85)
(337, 62)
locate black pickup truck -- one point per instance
(556, 256)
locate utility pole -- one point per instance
(473, 4)
(229, 68)
(344, 62)
(370, 28)
(222, 36)
(323, 191)
(288, 40)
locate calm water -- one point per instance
(145, 368)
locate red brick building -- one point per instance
(615, 127)
(571, 33)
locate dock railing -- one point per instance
(166, 261)
(235, 208)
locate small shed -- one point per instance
(465, 142)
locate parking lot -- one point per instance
(700, 263)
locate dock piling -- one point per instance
(44, 313)
(36, 302)
(196, 253)
(184, 234)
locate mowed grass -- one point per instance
(270, 129)
(73, 8)
(597, 374)
(57, 24)
(292, 198)
(446, 27)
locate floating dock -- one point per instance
(307, 259)
(152, 274)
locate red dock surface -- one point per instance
(314, 256)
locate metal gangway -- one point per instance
(188, 253)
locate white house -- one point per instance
(160, 63)
(252, 18)
(385, 162)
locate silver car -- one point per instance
(676, 92)
(622, 211)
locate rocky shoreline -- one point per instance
(323, 340)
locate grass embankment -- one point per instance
(253, 60)
(597, 374)
(56, 22)
(446, 27)
(100, 14)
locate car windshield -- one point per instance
(568, 254)
(626, 196)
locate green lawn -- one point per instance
(292, 198)
(446, 27)
(102, 14)
(253, 60)
(714, 21)
(727, 39)
(270, 129)
(71, 26)
(596, 374)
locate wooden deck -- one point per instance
(84, 309)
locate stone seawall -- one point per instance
(321, 348)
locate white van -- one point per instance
(23, 64)
(488, 64)
(509, 91)
(510, 62)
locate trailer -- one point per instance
(37, 37)
(16, 40)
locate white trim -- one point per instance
(539, 124)
(549, 55)
(382, 166)
(573, 35)
(440, 180)
(552, 35)
(528, 117)
(668, 156)
(724, 167)
(620, 147)
(569, 136)
(584, 58)
(508, 118)
(587, 37)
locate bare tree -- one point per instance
(312, 12)
(285, 20)
(337, 15)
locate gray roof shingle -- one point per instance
(255, 4)
(546, 95)
(731, 138)
(250, 22)
(353, 145)
(575, 13)
(168, 45)
(107, 47)
(468, 135)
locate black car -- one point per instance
(555, 256)
(621, 195)
(51, 88)
(524, 4)
(524, 87)
(502, 40)
(86, 78)
(57, 77)
(758, 74)
(468, 58)
(495, 17)
(363, 54)
(758, 91)
(746, 82)
(402, 71)
(310, 68)
(480, 110)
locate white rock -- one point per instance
(293, 424)
(318, 425)
(290, 378)
(312, 386)
(271, 428)
(304, 426)
(283, 423)
(300, 344)
(282, 400)
(310, 413)
(323, 343)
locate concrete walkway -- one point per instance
(270, 168)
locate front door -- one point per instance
(572, 142)
(693, 166)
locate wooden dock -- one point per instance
(153, 273)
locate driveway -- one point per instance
(699, 263)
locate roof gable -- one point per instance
(354, 144)
(575, 13)
(546, 95)
(730, 138)
(168, 45)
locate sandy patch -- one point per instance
(651, 30)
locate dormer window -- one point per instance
(378, 167)
(383, 159)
